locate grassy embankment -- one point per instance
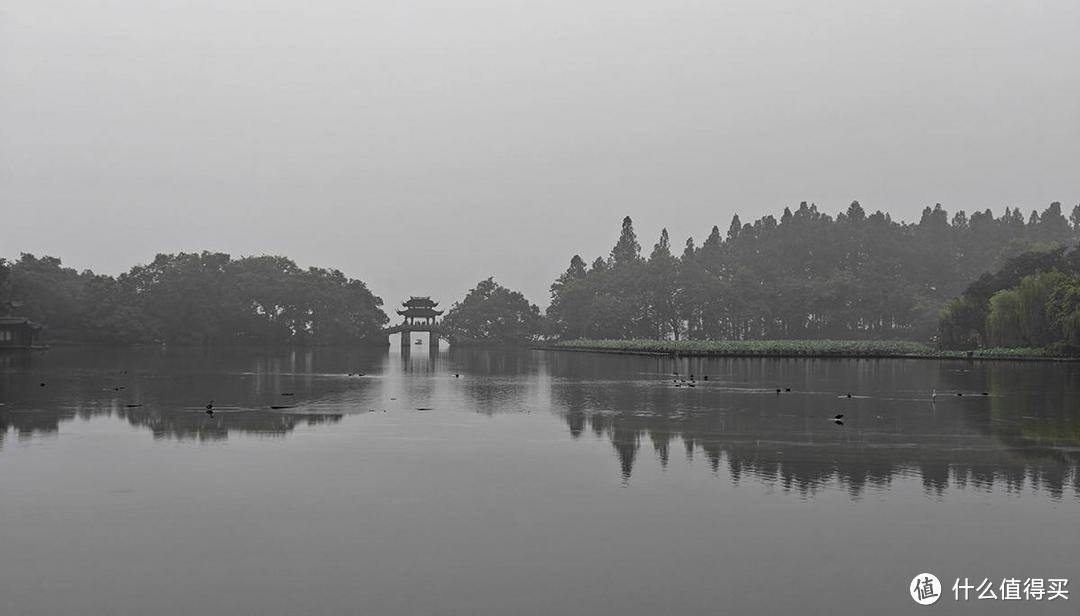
(792, 348)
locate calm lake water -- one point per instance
(533, 483)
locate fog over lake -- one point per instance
(379, 137)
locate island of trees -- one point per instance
(845, 283)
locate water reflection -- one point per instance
(166, 392)
(1023, 434)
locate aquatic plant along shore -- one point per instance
(797, 348)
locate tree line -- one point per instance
(193, 298)
(807, 275)
(213, 299)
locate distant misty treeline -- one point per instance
(806, 275)
(207, 298)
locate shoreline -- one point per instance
(807, 355)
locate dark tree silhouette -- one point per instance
(807, 275)
(198, 298)
(492, 314)
(627, 251)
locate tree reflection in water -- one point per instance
(1024, 432)
(1023, 435)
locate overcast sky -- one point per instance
(423, 146)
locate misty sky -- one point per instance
(423, 146)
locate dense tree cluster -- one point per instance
(1032, 301)
(492, 314)
(207, 298)
(806, 275)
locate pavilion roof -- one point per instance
(419, 312)
(419, 302)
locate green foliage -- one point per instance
(1035, 292)
(493, 314)
(1003, 323)
(204, 298)
(964, 321)
(1063, 310)
(1042, 311)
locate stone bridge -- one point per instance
(435, 332)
